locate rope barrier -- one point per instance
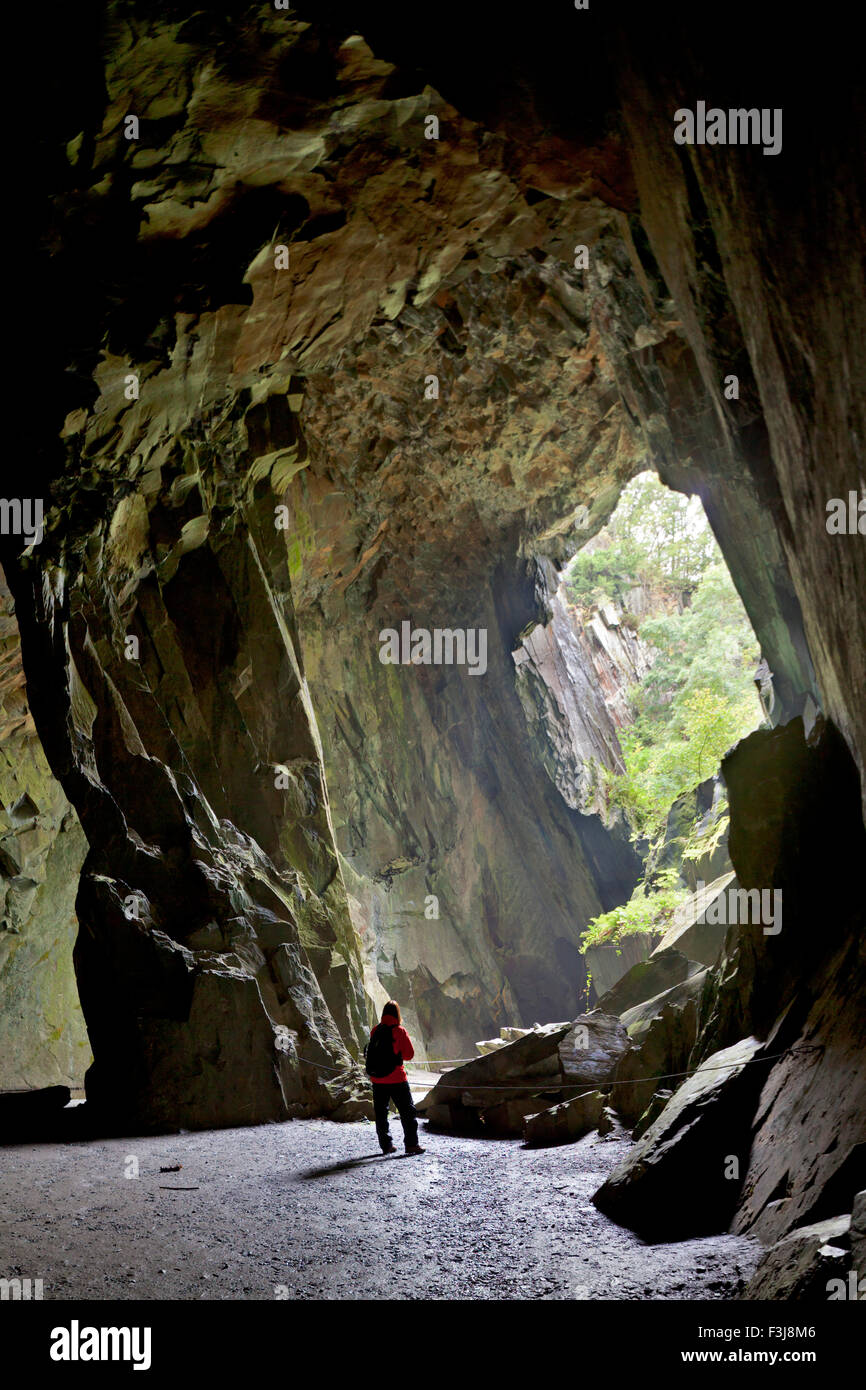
(562, 1083)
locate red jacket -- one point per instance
(402, 1044)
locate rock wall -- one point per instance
(761, 256)
(155, 648)
(573, 679)
(794, 828)
(469, 876)
(767, 1134)
(43, 1039)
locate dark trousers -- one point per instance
(399, 1092)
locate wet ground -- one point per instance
(311, 1210)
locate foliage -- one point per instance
(643, 913)
(704, 843)
(607, 573)
(664, 762)
(656, 538)
(708, 646)
(698, 698)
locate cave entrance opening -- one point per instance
(649, 606)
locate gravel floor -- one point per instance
(311, 1210)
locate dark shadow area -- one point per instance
(347, 1163)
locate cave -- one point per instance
(357, 326)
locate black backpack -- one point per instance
(380, 1055)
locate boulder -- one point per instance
(647, 979)
(562, 1124)
(482, 1097)
(674, 1183)
(592, 1048)
(509, 1117)
(609, 1124)
(544, 1067)
(700, 923)
(25, 1114)
(350, 1111)
(47, 1100)
(638, 1021)
(801, 1264)
(526, 1067)
(451, 1115)
(503, 1064)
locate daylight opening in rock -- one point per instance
(645, 675)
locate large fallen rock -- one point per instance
(562, 1124)
(647, 979)
(523, 1068)
(802, 1264)
(544, 1067)
(662, 1032)
(591, 1049)
(683, 1176)
(638, 1021)
(508, 1035)
(700, 924)
(509, 1117)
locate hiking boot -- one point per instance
(415, 1149)
(390, 1149)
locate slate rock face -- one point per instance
(591, 1049)
(794, 827)
(647, 979)
(803, 1263)
(679, 1181)
(203, 801)
(795, 1127)
(858, 1235)
(573, 677)
(662, 1033)
(43, 1038)
(562, 1124)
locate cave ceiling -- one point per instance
(408, 258)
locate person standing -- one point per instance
(389, 1047)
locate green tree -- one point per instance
(698, 698)
(656, 538)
